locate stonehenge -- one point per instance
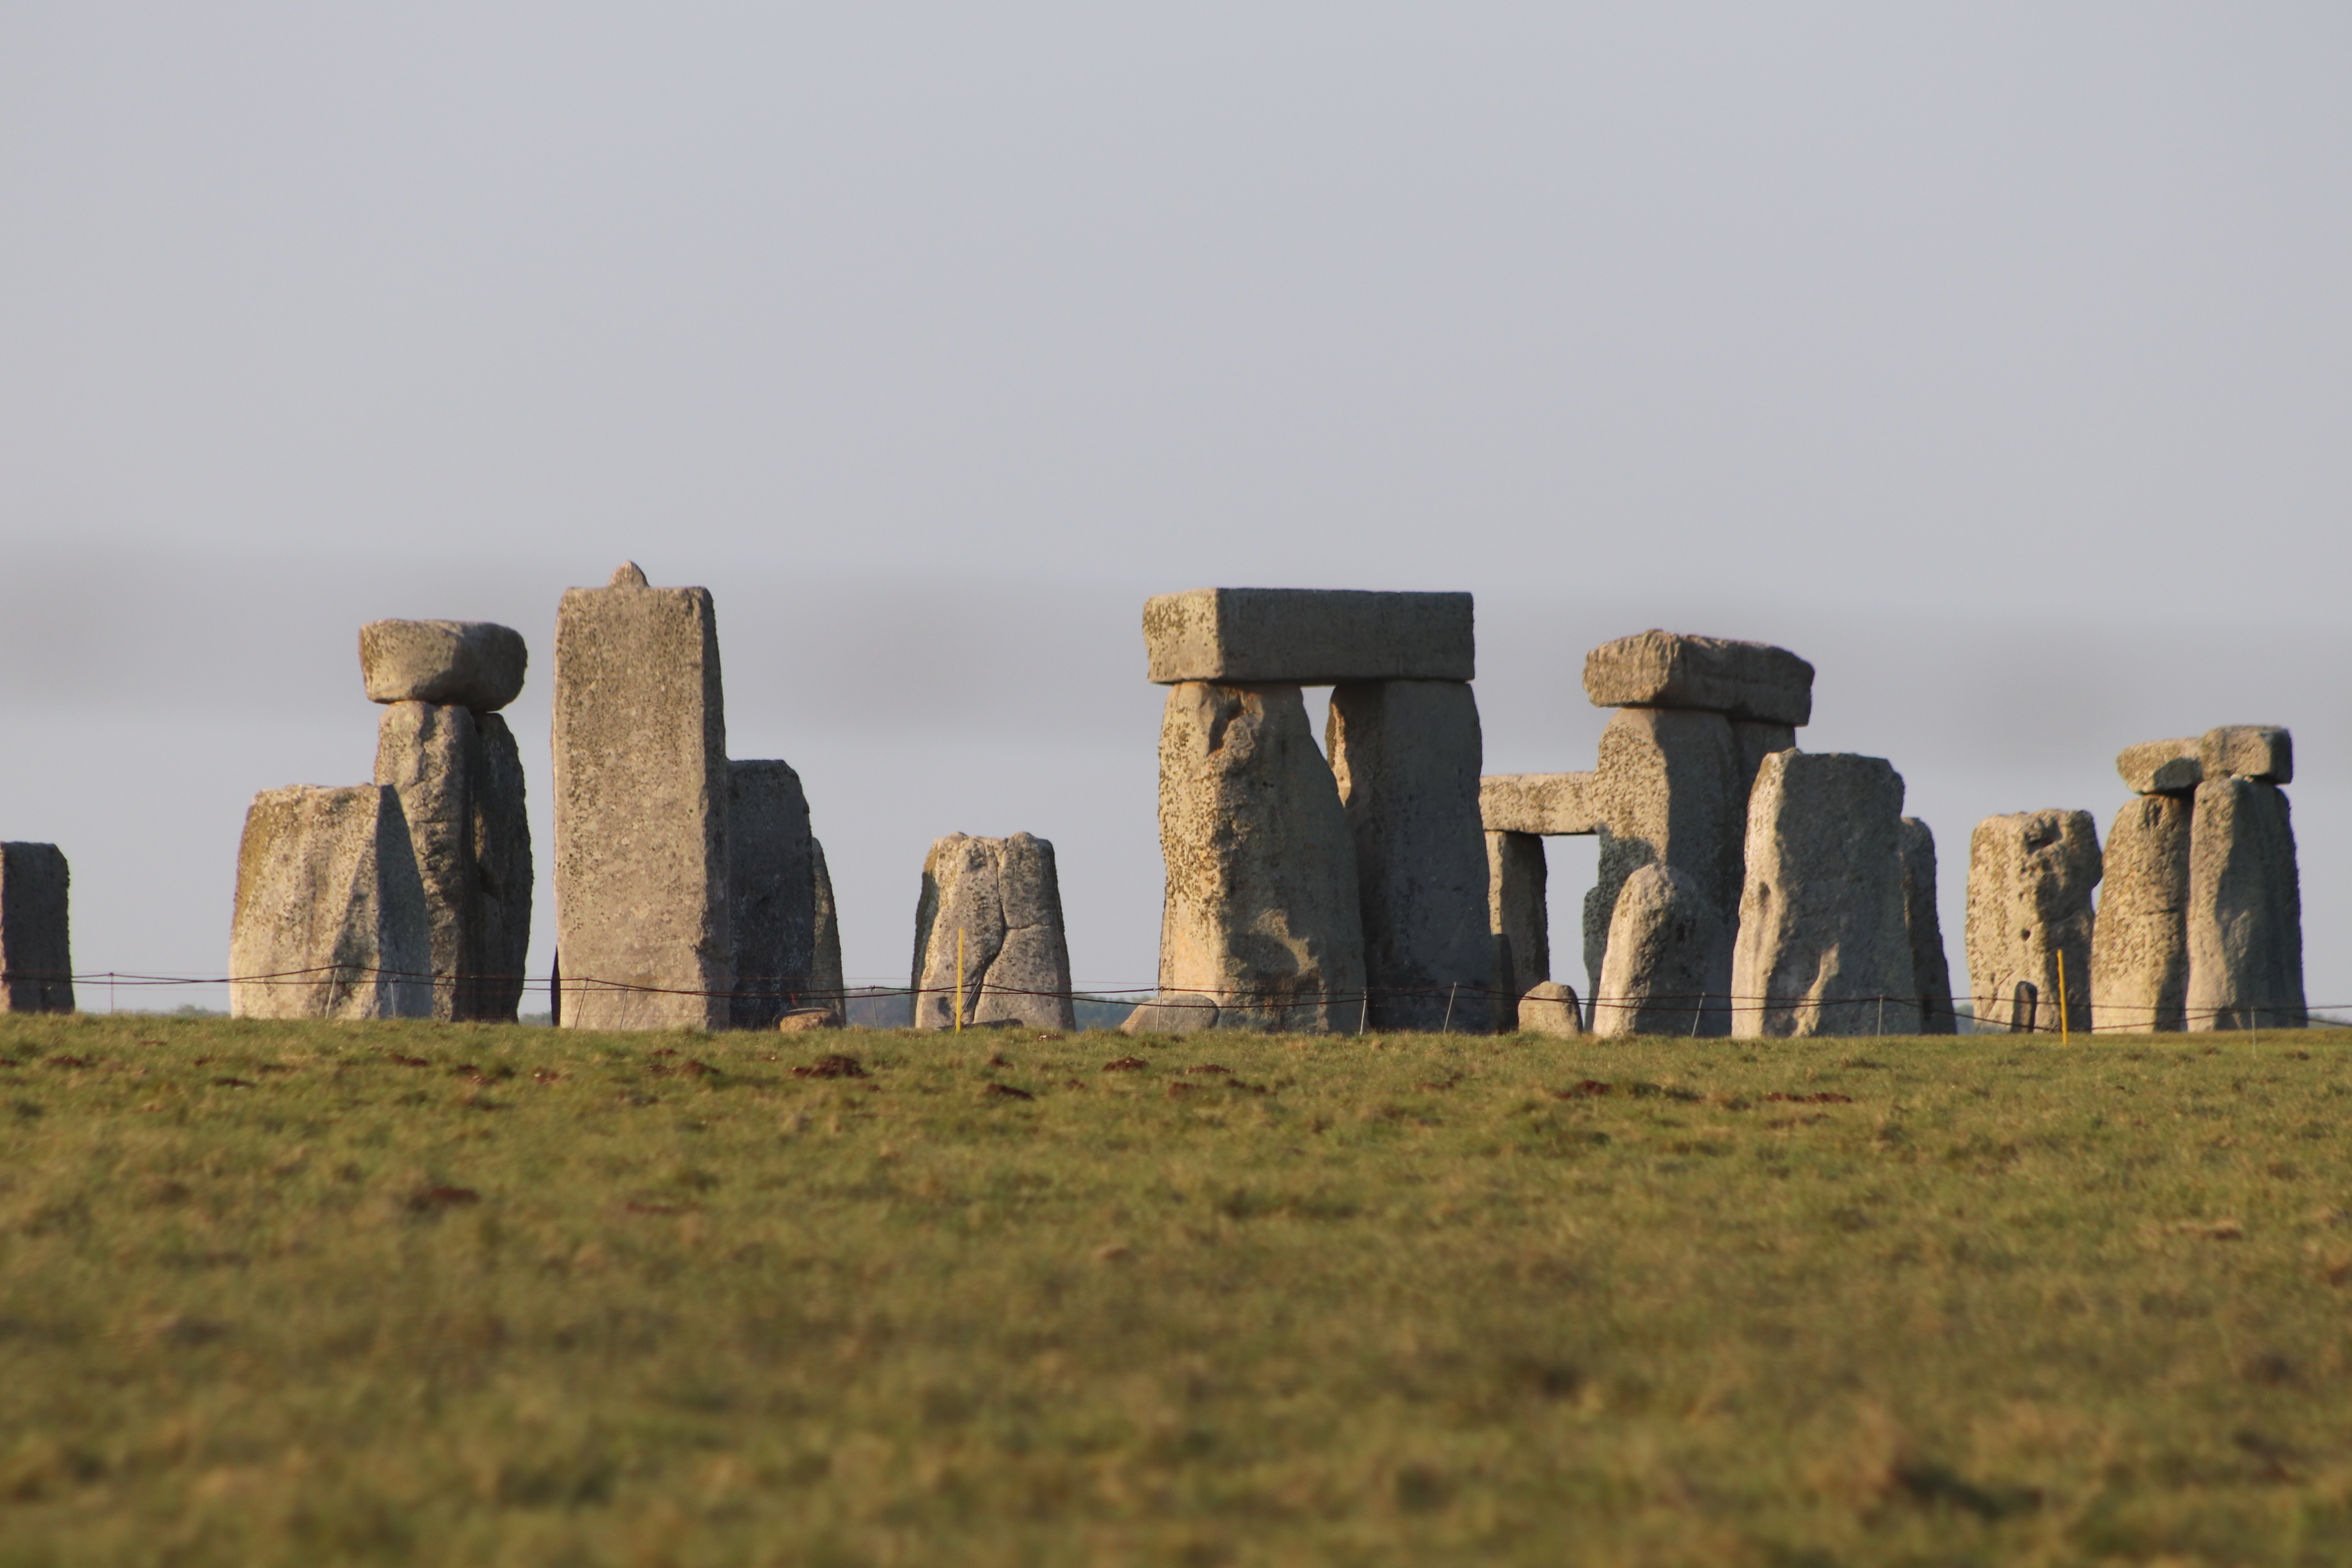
(36, 946)
(2140, 943)
(643, 932)
(2030, 919)
(1669, 965)
(1931, 970)
(1824, 945)
(331, 919)
(2245, 907)
(1518, 921)
(989, 942)
(771, 891)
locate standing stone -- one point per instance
(1931, 971)
(331, 919)
(1549, 1009)
(1668, 966)
(425, 755)
(773, 887)
(1307, 636)
(2263, 751)
(35, 947)
(2162, 767)
(827, 986)
(1261, 910)
(1405, 755)
(2244, 918)
(1517, 920)
(1821, 948)
(493, 984)
(1669, 670)
(641, 873)
(474, 665)
(2029, 881)
(1003, 899)
(2140, 943)
(1756, 739)
(1668, 793)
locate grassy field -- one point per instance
(302, 1294)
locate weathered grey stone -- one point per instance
(1173, 1012)
(1554, 805)
(1517, 919)
(1668, 969)
(1753, 740)
(1549, 1009)
(2139, 943)
(329, 921)
(2244, 918)
(1001, 898)
(1261, 910)
(1668, 669)
(1931, 970)
(36, 944)
(1668, 793)
(2030, 879)
(493, 984)
(1405, 755)
(2263, 751)
(426, 754)
(772, 881)
(1307, 636)
(1821, 948)
(474, 665)
(2161, 767)
(641, 875)
(827, 987)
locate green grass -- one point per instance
(302, 1294)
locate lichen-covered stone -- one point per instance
(2263, 751)
(990, 921)
(330, 920)
(642, 904)
(2161, 767)
(2245, 909)
(36, 944)
(1518, 921)
(2030, 879)
(1551, 805)
(2140, 943)
(1931, 970)
(1405, 756)
(1308, 636)
(1668, 970)
(1668, 669)
(773, 887)
(474, 665)
(1262, 912)
(1823, 947)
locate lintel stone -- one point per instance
(2161, 767)
(2261, 752)
(475, 665)
(1307, 636)
(1714, 675)
(1553, 806)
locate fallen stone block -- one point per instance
(36, 946)
(331, 919)
(2263, 751)
(641, 897)
(1668, 669)
(1552, 806)
(1307, 636)
(2140, 943)
(1931, 970)
(1262, 912)
(1549, 1007)
(1668, 969)
(2161, 767)
(1405, 756)
(1667, 792)
(1173, 1012)
(2030, 879)
(1823, 947)
(2244, 918)
(801, 1020)
(772, 881)
(474, 665)
(989, 935)
(1518, 921)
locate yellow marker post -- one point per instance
(959, 1023)
(2061, 996)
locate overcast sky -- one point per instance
(1996, 358)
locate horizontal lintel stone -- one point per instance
(1557, 805)
(2161, 767)
(1714, 675)
(1307, 636)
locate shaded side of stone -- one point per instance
(1518, 921)
(1261, 910)
(2030, 879)
(642, 903)
(1931, 970)
(1821, 947)
(35, 939)
(1308, 636)
(2139, 943)
(2245, 909)
(1668, 793)
(491, 986)
(426, 754)
(474, 665)
(331, 919)
(1668, 970)
(772, 887)
(827, 986)
(1669, 670)
(1405, 755)
(1554, 805)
